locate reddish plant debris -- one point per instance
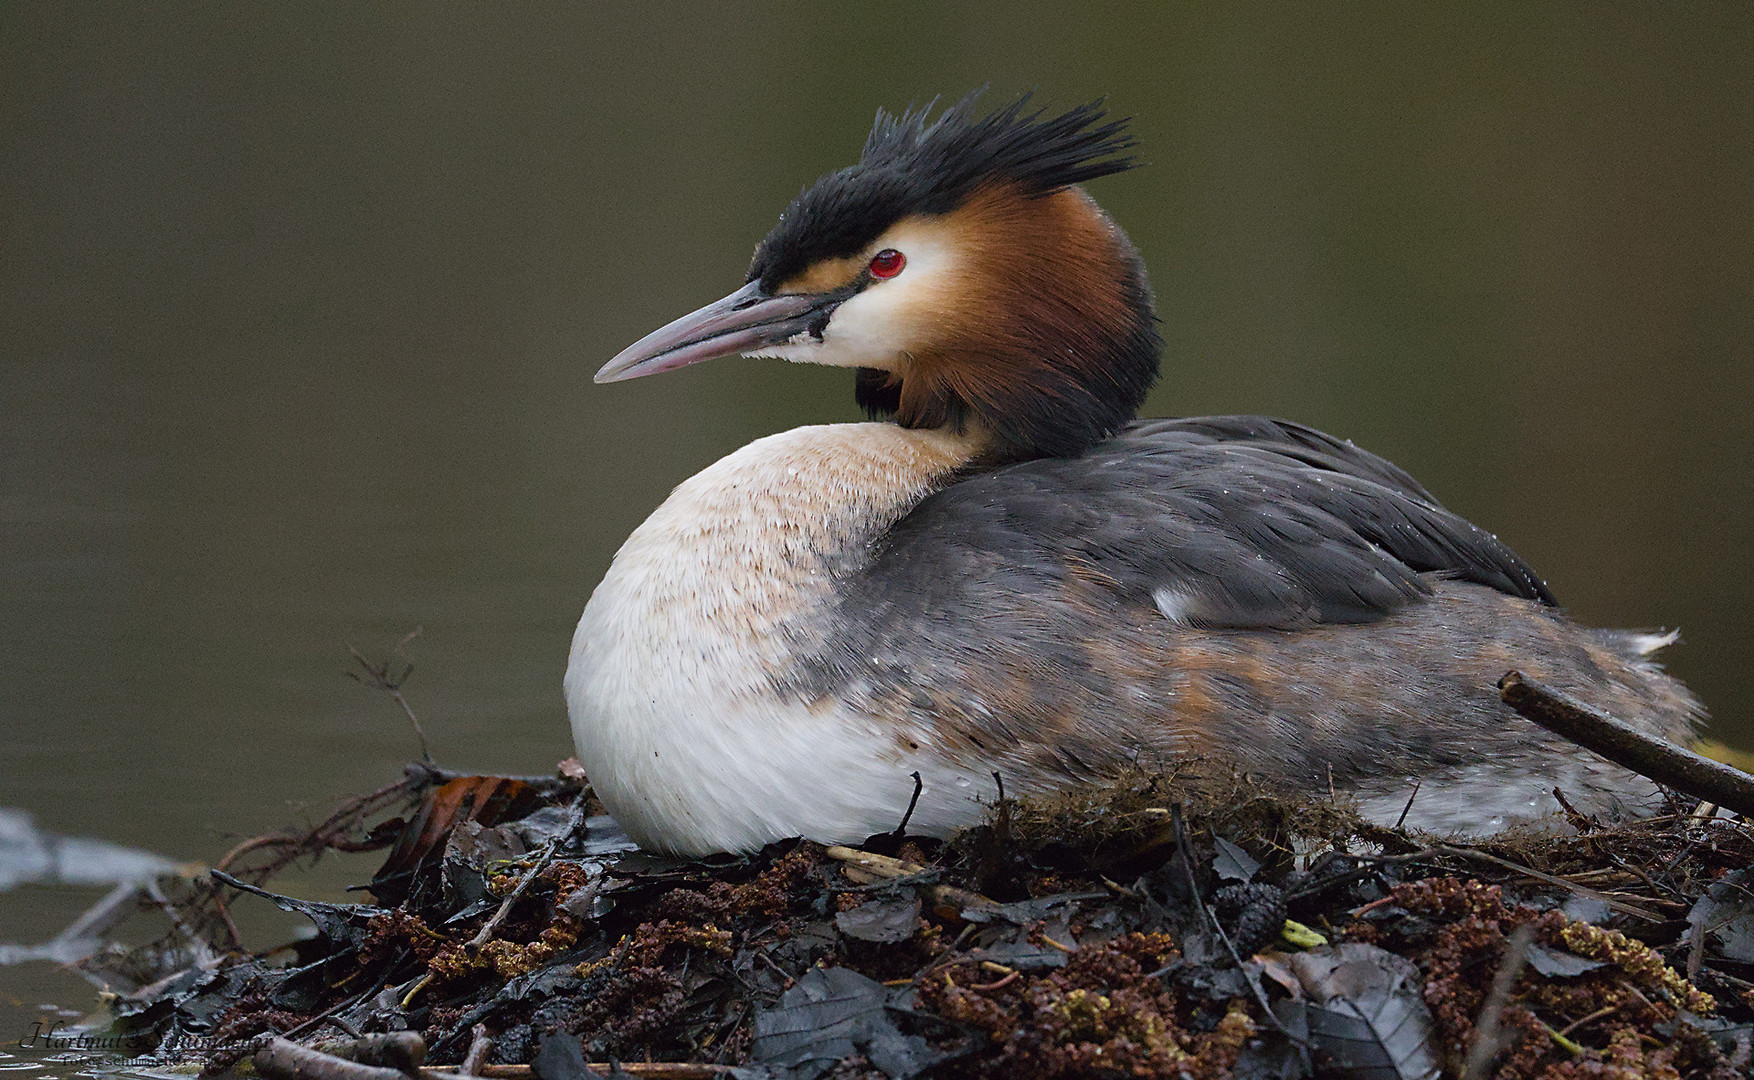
(1116, 940)
(1103, 1011)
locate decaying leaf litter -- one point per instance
(1182, 924)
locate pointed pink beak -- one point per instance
(743, 322)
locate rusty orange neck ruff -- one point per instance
(1046, 334)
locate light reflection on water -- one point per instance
(87, 1065)
(300, 308)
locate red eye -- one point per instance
(887, 263)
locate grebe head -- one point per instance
(961, 271)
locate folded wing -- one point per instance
(1222, 522)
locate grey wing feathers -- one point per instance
(1219, 522)
(1314, 448)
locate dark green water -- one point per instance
(299, 306)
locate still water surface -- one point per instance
(299, 306)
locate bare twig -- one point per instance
(330, 833)
(379, 676)
(414, 991)
(480, 1045)
(1489, 1038)
(1579, 821)
(1624, 745)
(1637, 873)
(641, 1070)
(282, 1059)
(231, 926)
(404, 1051)
(867, 867)
(919, 785)
(485, 934)
(335, 1022)
(1695, 949)
(331, 1012)
(549, 785)
(1425, 855)
(1409, 806)
(1597, 1015)
(1184, 856)
(1004, 980)
(1581, 890)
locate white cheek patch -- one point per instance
(890, 318)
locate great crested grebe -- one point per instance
(1012, 575)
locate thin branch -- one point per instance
(901, 829)
(574, 823)
(1425, 855)
(868, 868)
(1184, 855)
(640, 1070)
(1626, 746)
(379, 676)
(285, 1060)
(1597, 1015)
(327, 834)
(1489, 1039)
(479, 1047)
(1414, 795)
(1581, 890)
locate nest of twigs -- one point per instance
(1176, 925)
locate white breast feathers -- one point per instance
(671, 683)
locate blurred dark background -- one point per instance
(299, 305)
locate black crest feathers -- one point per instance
(913, 164)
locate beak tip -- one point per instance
(736, 325)
(620, 367)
